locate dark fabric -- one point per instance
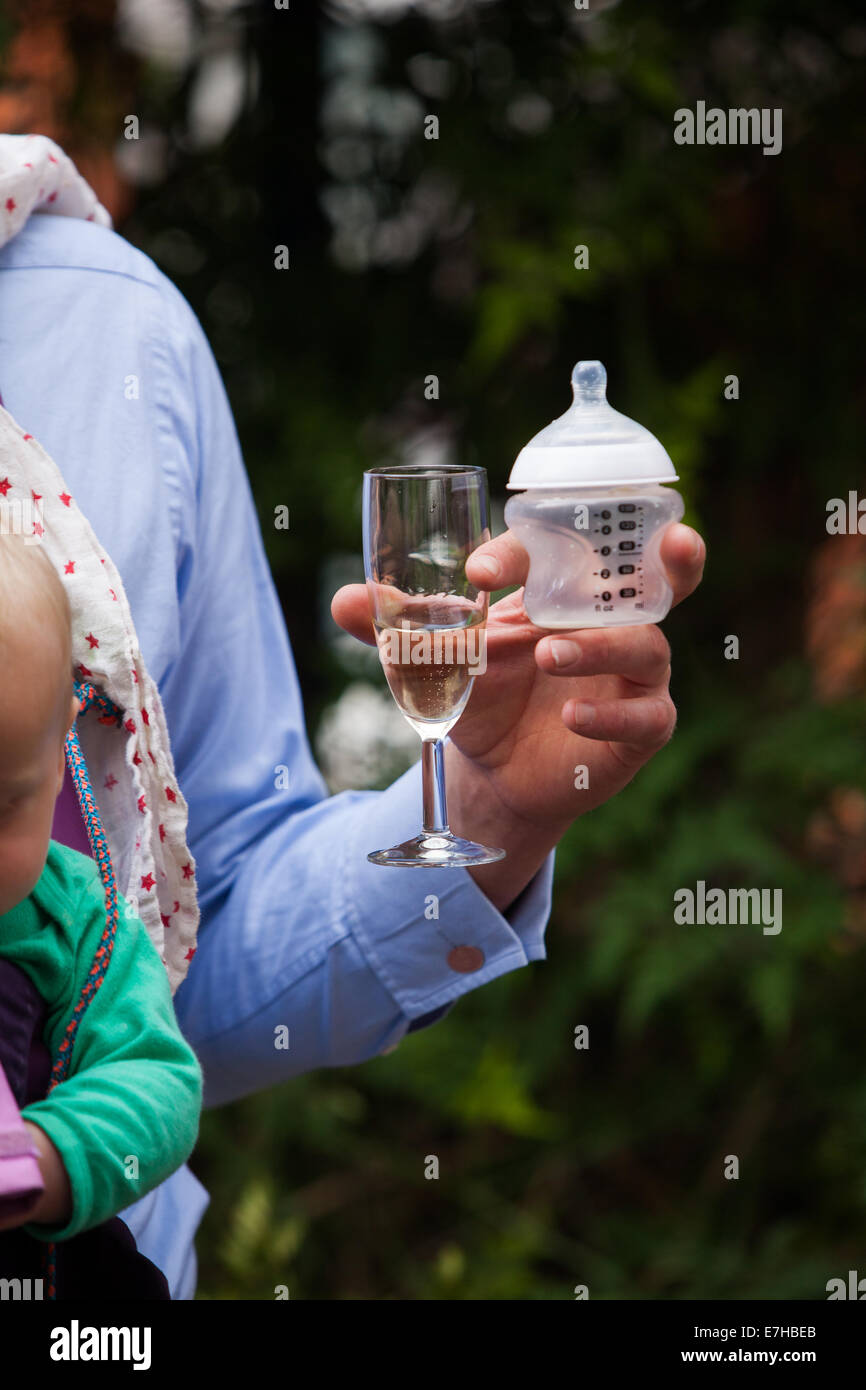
(103, 1263)
(426, 1019)
(22, 1018)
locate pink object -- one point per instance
(20, 1179)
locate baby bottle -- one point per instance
(591, 514)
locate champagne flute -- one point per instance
(420, 525)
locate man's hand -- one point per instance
(548, 703)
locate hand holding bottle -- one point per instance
(510, 760)
(593, 514)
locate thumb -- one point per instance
(350, 609)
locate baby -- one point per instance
(127, 1113)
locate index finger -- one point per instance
(683, 555)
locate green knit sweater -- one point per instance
(127, 1114)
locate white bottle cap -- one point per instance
(591, 443)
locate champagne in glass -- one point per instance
(430, 665)
(420, 525)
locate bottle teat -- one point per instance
(591, 443)
(589, 383)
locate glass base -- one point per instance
(436, 850)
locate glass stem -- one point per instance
(433, 782)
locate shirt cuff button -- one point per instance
(465, 959)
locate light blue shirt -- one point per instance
(102, 360)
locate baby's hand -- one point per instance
(54, 1206)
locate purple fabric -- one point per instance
(68, 826)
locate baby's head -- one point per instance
(37, 706)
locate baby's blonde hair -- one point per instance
(28, 579)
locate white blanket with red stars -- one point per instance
(143, 812)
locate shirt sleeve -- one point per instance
(127, 1115)
(308, 955)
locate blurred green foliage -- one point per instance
(455, 257)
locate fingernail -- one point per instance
(696, 544)
(488, 566)
(564, 653)
(582, 714)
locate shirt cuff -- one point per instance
(431, 935)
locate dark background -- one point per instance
(410, 257)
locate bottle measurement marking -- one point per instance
(618, 528)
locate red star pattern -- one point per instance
(10, 204)
(150, 880)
